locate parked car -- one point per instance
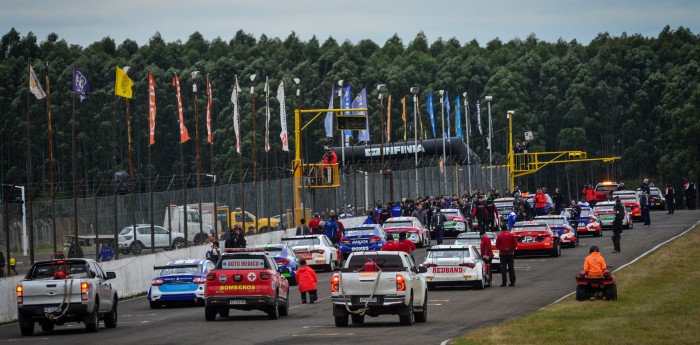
(136, 242)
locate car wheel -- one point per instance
(431, 287)
(125, 251)
(341, 321)
(331, 266)
(92, 322)
(47, 326)
(480, 284)
(178, 243)
(137, 248)
(155, 305)
(610, 293)
(284, 308)
(273, 312)
(26, 326)
(422, 316)
(407, 320)
(357, 319)
(198, 239)
(581, 293)
(209, 313)
(600, 233)
(111, 318)
(556, 251)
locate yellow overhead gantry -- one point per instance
(521, 164)
(319, 175)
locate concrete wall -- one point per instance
(134, 274)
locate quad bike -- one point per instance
(602, 287)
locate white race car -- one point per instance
(451, 265)
(474, 239)
(317, 250)
(415, 232)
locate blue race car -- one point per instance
(179, 281)
(287, 261)
(365, 237)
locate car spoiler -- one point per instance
(176, 266)
(431, 249)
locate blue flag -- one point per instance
(458, 118)
(81, 85)
(361, 102)
(429, 104)
(328, 121)
(347, 95)
(447, 105)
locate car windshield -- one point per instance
(448, 254)
(585, 212)
(529, 228)
(626, 198)
(274, 250)
(384, 261)
(47, 270)
(606, 188)
(450, 213)
(397, 224)
(360, 232)
(299, 242)
(604, 207)
(180, 270)
(465, 241)
(552, 221)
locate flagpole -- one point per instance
(75, 172)
(488, 99)
(442, 116)
(29, 168)
(342, 138)
(255, 183)
(198, 156)
(381, 88)
(51, 167)
(211, 154)
(469, 153)
(267, 150)
(414, 91)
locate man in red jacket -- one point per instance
(540, 202)
(506, 244)
(406, 245)
(486, 251)
(390, 245)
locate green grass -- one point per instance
(658, 303)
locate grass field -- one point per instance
(658, 303)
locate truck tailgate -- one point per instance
(363, 283)
(51, 292)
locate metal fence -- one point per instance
(361, 189)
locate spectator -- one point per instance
(689, 194)
(214, 253)
(645, 205)
(621, 186)
(438, 224)
(306, 279)
(75, 251)
(506, 244)
(390, 244)
(303, 229)
(619, 209)
(645, 186)
(540, 202)
(670, 195)
(558, 200)
(106, 253)
(419, 214)
(241, 237)
(406, 245)
(314, 224)
(331, 228)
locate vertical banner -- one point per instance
(81, 85)
(388, 120)
(478, 117)
(447, 106)
(328, 121)
(283, 117)
(210, 136)
(467, 117)
(35, 85)
(347, 95)
(151, 109)
(184, 135)
(431, 112)
(361, 102)
(458, 118)
(403, 116)
(236, 115)
(267, 116)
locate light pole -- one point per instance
(488, 99)
(381, 88)
(297, 81)
(414, 91)
(442, 116)
(342, 138)
(469, 150)
(255, 157)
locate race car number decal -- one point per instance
(528, 239)
(448, 270)
(252, 276)
(236, 287)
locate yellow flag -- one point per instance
(123, 85)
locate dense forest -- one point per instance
(630, 96)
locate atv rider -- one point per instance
(594, 265)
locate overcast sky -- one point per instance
(83, 22)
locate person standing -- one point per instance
(406, 245)
(106, 253)
(506, 244)
(481, 215)
(689, 193)
(438, 224)
(303, 229)
(645, 186)
(306, 280)
(540, 202)
(12, 271)
(645, 204)
(670, 195)
(331, 228)
(558, 200)
(486, 251)
(619, 209)
(329, 159)
(419, 214)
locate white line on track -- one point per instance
(301, 305)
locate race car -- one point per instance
(414, 230)
(602, 189)
(364, 237)
(504, 206)
(535, 237)
(631, 200)
(246, 279)
(179, 281)
(455, 221)
(560, 225)
(474, 239)
(455, 265)
(317, 250)
(588, 223)
(287, 261)
(605, 210)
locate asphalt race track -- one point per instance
(451, 312)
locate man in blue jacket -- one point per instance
(331, 229)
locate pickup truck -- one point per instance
(379, 283)
(63, 290)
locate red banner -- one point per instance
(151, 109)
(184, 136)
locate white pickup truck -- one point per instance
(66, 290)
(379, 283)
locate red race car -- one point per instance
(631, 200)
(535, 237)
(246, 279)
(415, 232)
